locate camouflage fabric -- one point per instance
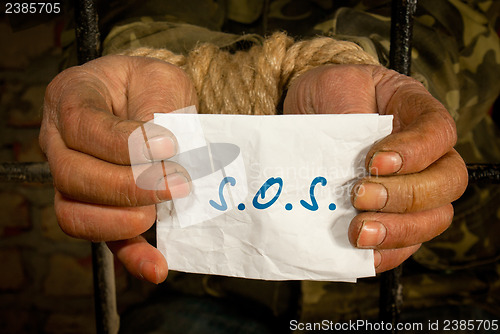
(456, 56)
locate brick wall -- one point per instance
(45, 276)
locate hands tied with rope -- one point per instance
(91, 110)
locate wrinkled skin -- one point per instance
(415, 172)
(91, 110)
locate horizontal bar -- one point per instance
(480, 173)
(39, 172)
(25, 172)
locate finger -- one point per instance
(84, 178)
(102, 223)
(91, 104)
(141, 259)
(328, 90)
(392, 230)
(442, 183)
(109, 138)
(423, 130)
(387, 259)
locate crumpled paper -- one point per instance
(270, 195)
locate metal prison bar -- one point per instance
(391, 288)
(88, 43)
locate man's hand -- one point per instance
(89, 113)
(415, 173)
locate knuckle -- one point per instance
(52, 95)
(450, 128)
(441, 215)
(167, 73)
(456, 175)
(462, 176)
(43, 141)
(53, 88)
(446, 217)
(66, 220)
(56, 87)
(447, 130)
(61, 169)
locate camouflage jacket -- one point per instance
(456, 55)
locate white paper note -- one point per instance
(270, 195)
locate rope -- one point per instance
(252, 82)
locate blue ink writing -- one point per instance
(223, 205)
(262, 192)
(314, 204)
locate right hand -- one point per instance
(89, 113)
(415, 174)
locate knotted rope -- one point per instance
(252, 82)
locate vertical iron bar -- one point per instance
(391, 288)
(401, 35)
(106, 315)
(87, 31)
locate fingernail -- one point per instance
(160, 147)
(371, 235)
(174, 185)
(145, 270)
(377, 258)
(370, 196)
(383, 163)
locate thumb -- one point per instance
(91, 129)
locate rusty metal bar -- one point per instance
(401, 35)
(106, 314)
(391, 288)
(484, 173)
(25, 172)
(88, 38)
(89, 47)
(39, 172)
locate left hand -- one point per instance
(415, 173)
(90, 112)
